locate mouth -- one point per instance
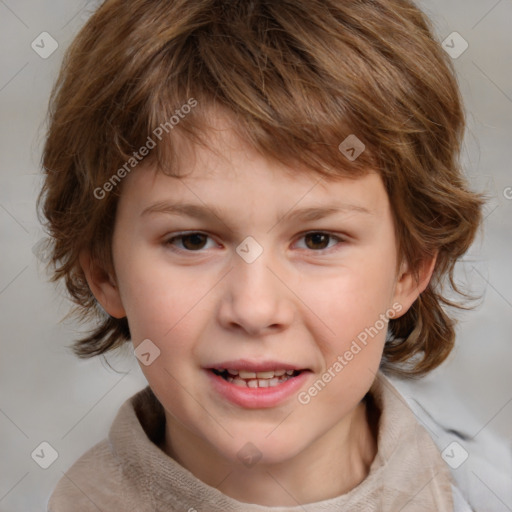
(257, 385)
(249, 379)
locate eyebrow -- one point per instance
(205, 212)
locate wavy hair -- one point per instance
(297, 77)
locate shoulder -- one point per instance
(408, 466)
(480, 465)
(111, 475)
(83, 488)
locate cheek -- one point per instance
(162, 305)
(166, 304)
(155, 297)
(349, 315)
(350, 301)
(347, 309)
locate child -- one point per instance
(310, 150)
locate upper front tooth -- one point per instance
(242, 374)
(265, 375)
(246, 375)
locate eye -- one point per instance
(195, 241)
(191, 242)
(318, 240)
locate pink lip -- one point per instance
(257, 398)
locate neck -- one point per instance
(331, 466)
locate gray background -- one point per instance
(46, 394)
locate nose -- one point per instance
(256, 298)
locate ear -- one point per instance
(102, 285)
(409, 286)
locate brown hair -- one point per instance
(298, 77)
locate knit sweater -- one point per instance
(129, 471)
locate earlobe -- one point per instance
(409, 286)
(102, 285)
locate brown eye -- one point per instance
(317, 241)
(194, 242)
(189, 242)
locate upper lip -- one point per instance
(254, 366)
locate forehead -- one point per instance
(226, 170)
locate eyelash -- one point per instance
(181, 236)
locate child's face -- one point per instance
(300, 304)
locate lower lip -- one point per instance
(257, 398)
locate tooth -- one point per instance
(230, 379)
(262, 383)
(289, 372)
(273, 382)
(246, 375)
(233, 372)
(240, 382)
(278, 373)
(264, 375)
(252, 383)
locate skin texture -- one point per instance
(301, 302)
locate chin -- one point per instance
(262, 448)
